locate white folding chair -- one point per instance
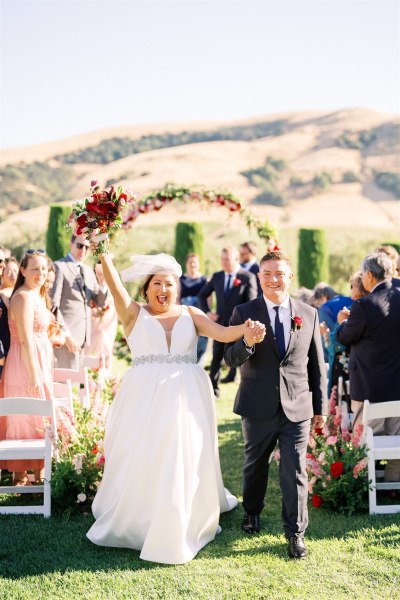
(29, 449)
(62, 393)
(94, 362)
(346, 416)
(381, 447)
(79, 377)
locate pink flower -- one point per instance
(331, 440)
(346, 435)
(359, 467)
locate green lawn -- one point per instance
(349, 557)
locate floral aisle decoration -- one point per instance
(337, 465)
(100, 215)
(79, 469)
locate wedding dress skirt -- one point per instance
(162, 490)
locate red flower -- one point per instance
(82, 221)
(297, 323)
(318, 431)
(336, 469)
(237, 282)
(317, 501)
(95, 449)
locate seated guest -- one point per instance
(372, 329)
(192, 282)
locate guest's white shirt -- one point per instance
(284, 316)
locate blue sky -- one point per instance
(69, 67)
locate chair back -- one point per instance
(380, 410)
(26, 406)
(94, 362)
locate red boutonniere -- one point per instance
(237, 282)
(297, 323)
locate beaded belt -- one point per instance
(164, 358)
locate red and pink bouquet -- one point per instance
(101, 215)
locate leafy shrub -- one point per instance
(350, 177)
(389, 181)
(189, 238)
(265, 178)
(312, 257)
(356, 140)
(57, 237)
(322, 181)
(296, 181)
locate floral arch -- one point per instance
(156, 200)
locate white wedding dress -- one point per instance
(162, 490)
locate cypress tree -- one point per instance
(188, 238)
(57, 237)
(312, 257)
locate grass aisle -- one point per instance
(356, 557)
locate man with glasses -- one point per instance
(74, 286)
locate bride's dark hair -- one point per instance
(145, 286)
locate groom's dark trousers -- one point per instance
(277, 399)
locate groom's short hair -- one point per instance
(275, 255)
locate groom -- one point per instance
(283, 387)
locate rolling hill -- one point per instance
(298, 169)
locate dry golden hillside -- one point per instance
(350, 147)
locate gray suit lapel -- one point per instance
(295, 311)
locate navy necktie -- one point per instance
(279, 334)
(228, 286)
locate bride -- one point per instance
(162, 490)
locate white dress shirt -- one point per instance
(233, 277)
(284, 316)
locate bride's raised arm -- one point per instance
(127, 309)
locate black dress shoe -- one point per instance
(228, 379)
(297, 548)
(251, 523)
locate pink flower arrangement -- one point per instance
(337, 465)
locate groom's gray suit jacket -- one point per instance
(71, 298)
(297, 382)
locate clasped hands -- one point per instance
(254, 333)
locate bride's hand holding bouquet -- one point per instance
(101, 215)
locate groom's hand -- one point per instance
(255, 332)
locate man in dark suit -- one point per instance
(232, 286)
(74, 286)
(372, 329)
(248, 260)
(283, 387)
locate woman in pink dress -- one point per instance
(28, 368)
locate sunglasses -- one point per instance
(80, 246)
(36, 251)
